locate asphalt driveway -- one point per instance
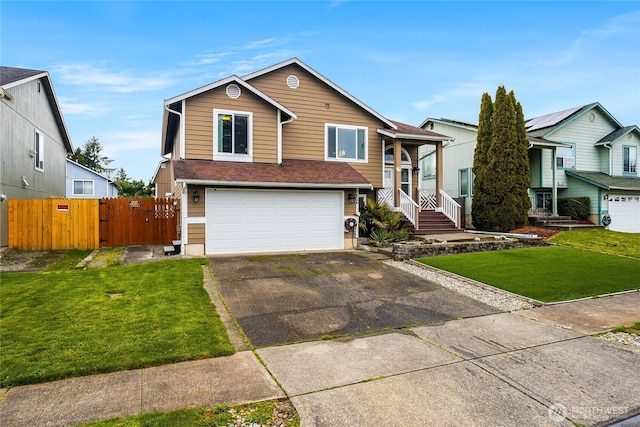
(280, 299)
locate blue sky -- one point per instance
(114, 63)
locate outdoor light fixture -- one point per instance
(196, 196)
(416, 169)
(606, 197)
(351, 198)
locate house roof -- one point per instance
(543, 126)
(12, 76)
(408, 132)
(69, 161)
(616, 135)
(605, 181)
(543, 143)
(290, 173)
(452, 122)
(325, 80)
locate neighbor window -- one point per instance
(630, 159)
(566, 158)
(463, 182)
(83, 187)
(346, 142)
(232, 132)
(39, 151)
(429, 166)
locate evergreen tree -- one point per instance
(504, 172)
(480, 161)
(90, 156)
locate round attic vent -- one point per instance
(293, 82)
(233, 91)
(592, 117)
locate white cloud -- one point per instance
(121, 81)
(117, 143)
(464, 91)
(68, 106)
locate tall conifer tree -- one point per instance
(502, 199)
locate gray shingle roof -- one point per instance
(11, 74)
(615, 135)
(605, 181)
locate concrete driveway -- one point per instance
(289, 298)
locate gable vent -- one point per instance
(293, 82)
(233, 91)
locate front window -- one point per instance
(348, 143)
(429, 166)
(566, 158)
(39, 151)
(630, 159)
(232, 133)
(83, 187)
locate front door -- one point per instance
(405, 175)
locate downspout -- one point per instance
(280, 125)
(554, 188)
(184, 235)
(610, 158)
(181, 127)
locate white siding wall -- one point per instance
(629, 140)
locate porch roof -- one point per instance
(290, 173)
(543, 143)
(410, 133)
(605, 181)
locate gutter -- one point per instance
(275, 184)
(166, 107)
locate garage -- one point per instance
(625, 213)
(248, 221)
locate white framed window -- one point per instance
(38, 150)
(83, 187)
(232, 135)
(465, 182)
(345, 143)
(566, 157)
(429, 166)
(630, 160)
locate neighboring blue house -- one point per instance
(83, 183)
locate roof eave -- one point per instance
(273, 184)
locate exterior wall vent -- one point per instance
(293, 82)
(233, 91)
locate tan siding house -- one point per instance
(278, 160)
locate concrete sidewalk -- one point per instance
(498, 369)
(234, 379)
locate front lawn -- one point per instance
(553, 273)
(601, 240)
(63, 323)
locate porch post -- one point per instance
(397, 168)
(554, 186)
(439, 173)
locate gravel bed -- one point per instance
(499, 300)
(622, 338)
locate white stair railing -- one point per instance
(428, 199)
(450, 208)
(385, 195)
(408, 207)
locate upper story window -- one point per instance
(232, 133)
(566, 158)
(38, 150)
(346, 143)
(83, 187)
(630, 159)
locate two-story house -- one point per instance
(34, 141)
(84, 183)
(582, 151)
(279, 160)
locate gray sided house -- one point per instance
(34, 141)
(579, 152)
(84, 183)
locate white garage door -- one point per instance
(245, 221)
(625, 213)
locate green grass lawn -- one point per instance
(259, 413)
(67, 322)
(552, 273)
(611, 242)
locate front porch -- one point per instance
(427, 211)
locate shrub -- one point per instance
(376, 215)
(575, 207)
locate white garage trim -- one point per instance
(625, 213)
(258, 220)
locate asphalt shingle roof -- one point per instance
(11, 74)
(605, 181)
